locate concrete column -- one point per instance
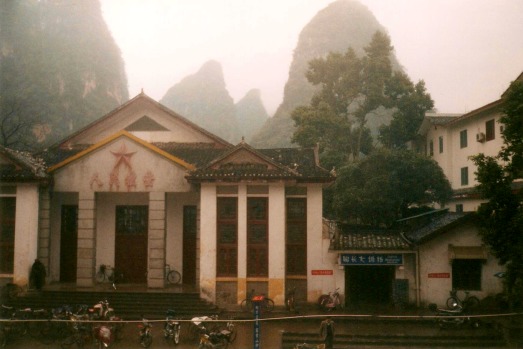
(26, 232)
(277, 243)
(318, 256)
(208, 242)
(44, 234)
(156, 240)
(86, 239)
(242, 242)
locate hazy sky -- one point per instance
(467, 51)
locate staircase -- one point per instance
(452, 339)
(397, 341)
(129, 305)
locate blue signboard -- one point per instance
(371, 259)
(256, 333)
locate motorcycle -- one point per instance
(146, 335)
(213, 340)
(171, 330)
(101, 311)
(331, 301)
(453, 318)
(105, 333)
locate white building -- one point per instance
(143, 187)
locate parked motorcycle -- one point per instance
(331, 301)
(453, 318)
(146, 335)
(101, 311)
(171, 330)
(213, 340)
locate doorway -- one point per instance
(68, 243)
(131, 242)
(189, 245)
(369, 285)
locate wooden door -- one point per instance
(68, 243)
(131, 242)
(189, 245)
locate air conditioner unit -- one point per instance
(480, 137)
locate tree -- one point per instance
(352, 88)
(410, 102)
(381, 188)
(502, 215)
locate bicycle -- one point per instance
(290, 301)
(172, 276)
(467, 303)
(172, 327)
(331, 301)
(247, 304)
(106, 273)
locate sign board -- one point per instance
(439, 275)
(322, 272)
(371, 259)
(256, 331)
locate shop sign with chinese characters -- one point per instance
(371, 259)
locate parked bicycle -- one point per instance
(290, 300)
(172, 276)
(331, 301)
(106, 273)
(81, 332)
(171, 329)
(467, 304)
(145, 334)
(247, 304)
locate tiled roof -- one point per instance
(438, 224)
(296, 163)
(288, 163)
(358, 238)
(22, 167)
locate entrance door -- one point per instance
(68, 243)
(369, 285)
(131, 242)
(189, 245)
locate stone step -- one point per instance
(128, 305)
(487, 340)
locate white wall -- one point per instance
(434, 258)
(26, 232)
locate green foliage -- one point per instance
(342, 24)
(352, 89)
(410, 103)
(502, 215)
(380, 188)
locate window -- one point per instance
(7, 234)
(227, 237)
(466, 274)
(464, 176)
(440, 141)
(132, 220)
(463, 142)
(431, 148)
(296, 239)
(490, 130)
(257, 237)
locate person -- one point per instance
(327, 332)
(38, 274)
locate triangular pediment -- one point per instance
(147, 119)
(112, 139)
(145, 123)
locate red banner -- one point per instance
(321, 272)
(439, 275)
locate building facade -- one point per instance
(143, 188)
